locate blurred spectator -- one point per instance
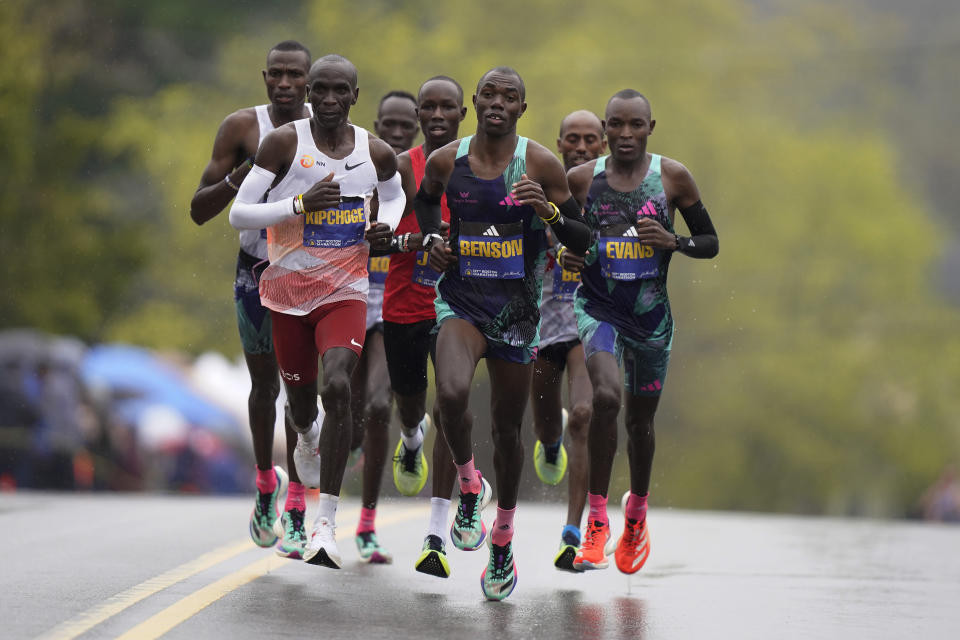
(941, 502)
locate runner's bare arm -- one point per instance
(227, 168)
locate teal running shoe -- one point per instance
(499, 579)
(370, 549)
(266, 511)
(468, 531)
(291, 533)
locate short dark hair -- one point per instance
(630, 94)
(396, 93)
(507, 71)
(291, 45)
(446, 79)
(333, 58)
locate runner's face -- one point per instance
(498, 104)
(286, 78)
(397, 123)
(332, 93)
(627, 126)
(580, 141)
(441, 111)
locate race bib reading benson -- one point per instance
(491, 250)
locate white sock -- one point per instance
(327, 507)
(439, 511)
(312, 437)
(416, 440)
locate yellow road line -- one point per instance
(117, 603)
(197, 601)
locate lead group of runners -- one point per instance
(460, 249)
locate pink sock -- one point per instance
(469, 482)
(367, 516)
(266, 480)
(636, 507)
(295, 497)
(598, 508)
(503, 527)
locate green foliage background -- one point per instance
(815, 359)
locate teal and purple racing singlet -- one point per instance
(624, 282)
(500, 247)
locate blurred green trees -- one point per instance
(814, 360)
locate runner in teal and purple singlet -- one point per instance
(623, 312)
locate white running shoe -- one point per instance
(322, 547)
(306, 457)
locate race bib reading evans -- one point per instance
(622, 257)
(491, 250)
(564, 283)
(422, 273)
(339, 227)
(377, 268)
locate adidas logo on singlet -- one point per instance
(631, 232)
(492, 231)
(509, 202)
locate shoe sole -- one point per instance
(432, 564)
(321, 559)
(496, 597)
(590, 566)
(293, 555)
(553, 479)
(564, 559)
(377, 558)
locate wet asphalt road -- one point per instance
(140, 566)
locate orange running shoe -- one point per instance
(593, 551)
(633, 548)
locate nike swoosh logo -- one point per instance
(355, 343)
(348, 167)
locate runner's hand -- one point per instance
(571, 262)
(441, 256)
(323, 195)
(526, 191)
(379, 235)
(652, 234)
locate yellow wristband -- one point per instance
(555, 216)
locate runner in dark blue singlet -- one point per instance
(501, 191)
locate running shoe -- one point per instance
(266, 511)
(293, 537)
(569, 544)
(410, 466)
(595, 548)
(550, 467)
(633, 548)
(500, 577)
(468, 531)
(307, 460)
(322, 547)
(433, 559)
(370, 549)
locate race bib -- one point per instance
(422, 272)
(564, 283)
(377, 268)
(622, 257)
(342, 226)
(491, 250)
